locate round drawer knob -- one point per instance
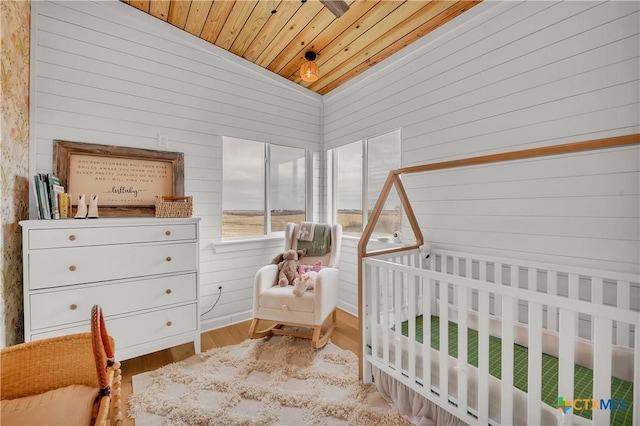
(72, 237)
(72, 268)
(167, 233)
(168, 259)
(168, 291)
(73, 307)
(169, 323)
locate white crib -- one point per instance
(582, 317)
(545, 314)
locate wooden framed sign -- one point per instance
(126, 180)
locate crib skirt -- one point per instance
(416, 408)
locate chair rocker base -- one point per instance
(317, 340)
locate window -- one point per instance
(383, 155)
(360, 170)
(255, 202)
(287, 184)
(348, 193)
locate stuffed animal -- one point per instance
(288, 266)
(306, 268)
(306, 282)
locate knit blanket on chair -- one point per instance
(321, 242)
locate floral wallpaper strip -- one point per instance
(15, 20)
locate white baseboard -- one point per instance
(215, 323)
(348, 308)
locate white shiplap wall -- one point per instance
(106, 73)
(507, 76)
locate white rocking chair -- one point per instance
(279, 305)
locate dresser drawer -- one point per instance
(152, 326)
(139, 329)
(62, 267)
(56, 308)
(86, 236)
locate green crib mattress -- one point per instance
(583, 377)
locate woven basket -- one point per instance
(173, 206)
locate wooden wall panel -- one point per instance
(104, 73)
(348, 293)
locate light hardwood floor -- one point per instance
(345, 336)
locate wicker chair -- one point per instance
(63, 380)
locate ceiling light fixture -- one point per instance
(309, 71)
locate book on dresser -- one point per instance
(150, 300)
(42, 198)
(54, 189)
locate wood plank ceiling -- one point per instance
(275, 34)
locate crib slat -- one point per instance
(636, 377)
(384, 282)
(515, 283)
(412, 330)
(443, 269)
(506, 407)
(468, 273)
(422, 263)
(462, 351)
(514, 270)
(534, 385)
(397, 317)
(597, 286)
(375, 309)
(367, 323)
(426, 335)
(602, 366)
(532, 279)
(574, 294)
(482, 275)
(552, 312)
(444, 343)
(433, 298)
(418, 291)
(456, 272)
(624, 301)
(497, 301)
(468, 268)
(566, 357)
(483, 357)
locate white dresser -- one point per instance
(143, 272)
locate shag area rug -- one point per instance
(276, 381)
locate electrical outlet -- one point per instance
(163, 141)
